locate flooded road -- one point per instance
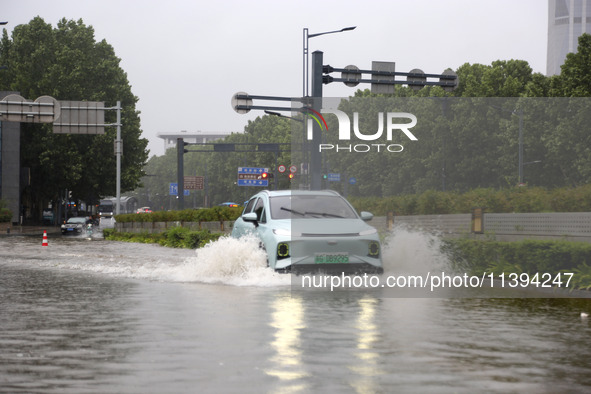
(92, 316)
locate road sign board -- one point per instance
(193, 182)
(293, 169)
(252, 170)
(15, 108)
(352, 76)
(352, 180)
(334, 177)
(80, 117)
(186, 192)
(173, 189)
(383, 88)
(281, 168)
(251, 176)
(243, 101)
(252, 182)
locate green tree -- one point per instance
(67, 63)
(575, 73)
(220, 168)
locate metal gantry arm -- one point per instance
(447, 80)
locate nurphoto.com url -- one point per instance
(435, 282)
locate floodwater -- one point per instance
(91, 316)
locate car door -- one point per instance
(242, 227)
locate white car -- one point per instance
(310, 231)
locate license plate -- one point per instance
(326, 258)
(70, 229)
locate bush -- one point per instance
(517, 199)
(476, 257)
(5, 215)
(178, 237)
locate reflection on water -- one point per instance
(367, 358)
(60, 328)
(298, 324)
(94, 317)
(287, 318)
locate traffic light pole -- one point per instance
(351, 76)
(180, 149)
(315, 157)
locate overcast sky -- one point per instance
(186, 59)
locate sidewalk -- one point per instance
(7, 229)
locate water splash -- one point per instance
(407, 251)
(229, 261)
(238, 262)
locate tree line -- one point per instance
(467, 139)
(67, 63)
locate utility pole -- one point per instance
(315, 156)
(180, 150)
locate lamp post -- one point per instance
(307, 36)
(520, 159)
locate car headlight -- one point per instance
(285, 232)
(368, 231)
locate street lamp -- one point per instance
(307, 36)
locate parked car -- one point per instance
(77, 225)
(309, 231)
(144, 210)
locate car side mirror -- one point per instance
(251, 217)
(366, 216)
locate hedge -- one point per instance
(215, 214)
(476, 257)
(517, 199)
(176, 237)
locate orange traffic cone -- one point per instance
(44, 238)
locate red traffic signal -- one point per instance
(264, 175)
(291, 175)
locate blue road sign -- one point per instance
(252, 182)
(334, 177)
(253, 172)
(173, 190)
(352, 180)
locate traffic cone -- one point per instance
(44, 238)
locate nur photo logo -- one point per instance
(390, 122)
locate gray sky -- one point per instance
(186, 59)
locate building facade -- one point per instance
(10, 170)
(567, 20)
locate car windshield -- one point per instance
(76, 220)
(310, 207)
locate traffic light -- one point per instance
(265, 175)
(291, 175)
